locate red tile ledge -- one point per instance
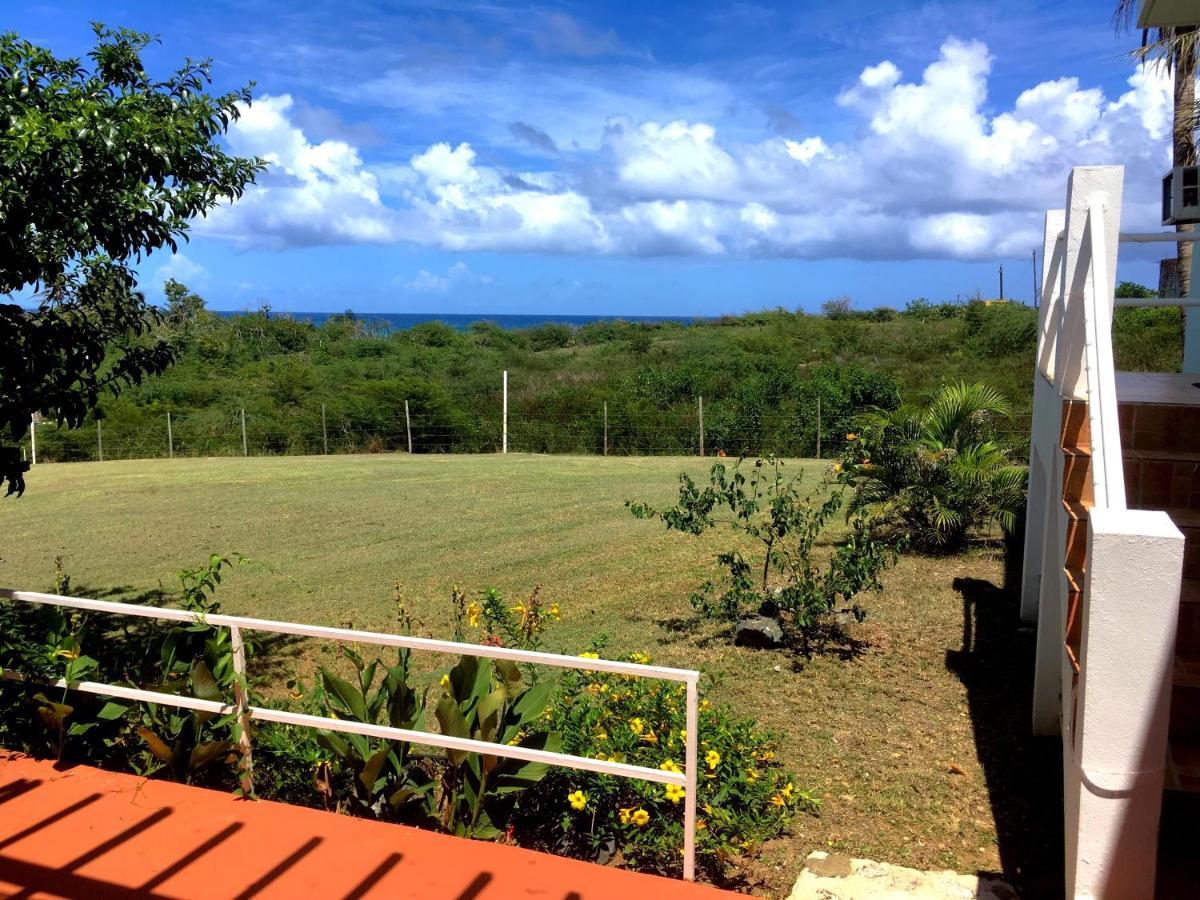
(84, 832)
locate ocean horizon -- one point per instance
(397, 321)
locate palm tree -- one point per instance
(936, 474)
(1177, 49)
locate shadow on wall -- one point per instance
(1023, 772)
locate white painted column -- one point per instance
(1115, 765)
(1191, 321)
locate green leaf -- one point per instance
(350, 699)
(111, 711)
(510, 675)
(488, 717)
(204, 753)
(204, 685)
(452, 723)
(531, 704)
(370, 773)
(513, 775)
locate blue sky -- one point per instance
(666, 158)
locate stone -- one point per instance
(835, 877)
(758, 631)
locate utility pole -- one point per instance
(606, 428)
(504, 418)
(408, 427)
(324, 431)
(1001, 282)
(701, 400)
(245, 448)
(170, 439)
(1033, 263)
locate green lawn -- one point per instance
(917, 745)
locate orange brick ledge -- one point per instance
(83, 832)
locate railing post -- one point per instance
(689, 769)
(1115, 763)
(241, 700)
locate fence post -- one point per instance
(324, 432)
(689, 767)
(504, 422)
(606, 428)
(99, 441)
(701, 400)
(245, 448)
(170, 439)
(408, 427)
(818, 427)
(246, 763)
(33, 438)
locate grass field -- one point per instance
(917, 745)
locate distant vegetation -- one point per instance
(760, 375)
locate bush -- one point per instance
(744, 795)
(769, 509)
(934, 476)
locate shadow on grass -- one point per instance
(1023, 772)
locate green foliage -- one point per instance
(785, 524)
(938, 474)
(744, 796)
(98, 167)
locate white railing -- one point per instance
(245, 712)
(1108, 472)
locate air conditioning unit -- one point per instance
(1181, 196)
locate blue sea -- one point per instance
(463, 321)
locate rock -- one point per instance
(770, 606)
(825, 865)
(758, 631)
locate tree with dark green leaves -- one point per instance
(100, 164)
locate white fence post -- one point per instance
(99, 441)
(245, 447)
(408, 427)
(1115, 763)
(606, 428)
(818, 426)
(170, 439)
(504, 420)
(33, 439)
(689, 769)
(240, 698)
(700, 401)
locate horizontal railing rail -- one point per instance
(246, 712)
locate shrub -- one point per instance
(935, 475)
(744, 795)
(769, 508)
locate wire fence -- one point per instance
(707, 429)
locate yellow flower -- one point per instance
(705, 705)
(626, 814)
(445, 682)
(683, 734)
(639, 658)
(837, 467)
(588, 654)
(851, 436)
(636, 725)
(701, 824)
(787, 791)
(516, 739)
(519, 609)
(67, 654)
(713, 758)
(578, 800)
(777, 800)
(640, 817)
(554, 611)
(474, 610)
(670, 766)
(752, 775)
(650, 737)
(602, 735)
(675, 793)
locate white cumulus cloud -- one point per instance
(934, 171)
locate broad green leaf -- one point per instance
(349, 697)
(156, 745)
(370, 773)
